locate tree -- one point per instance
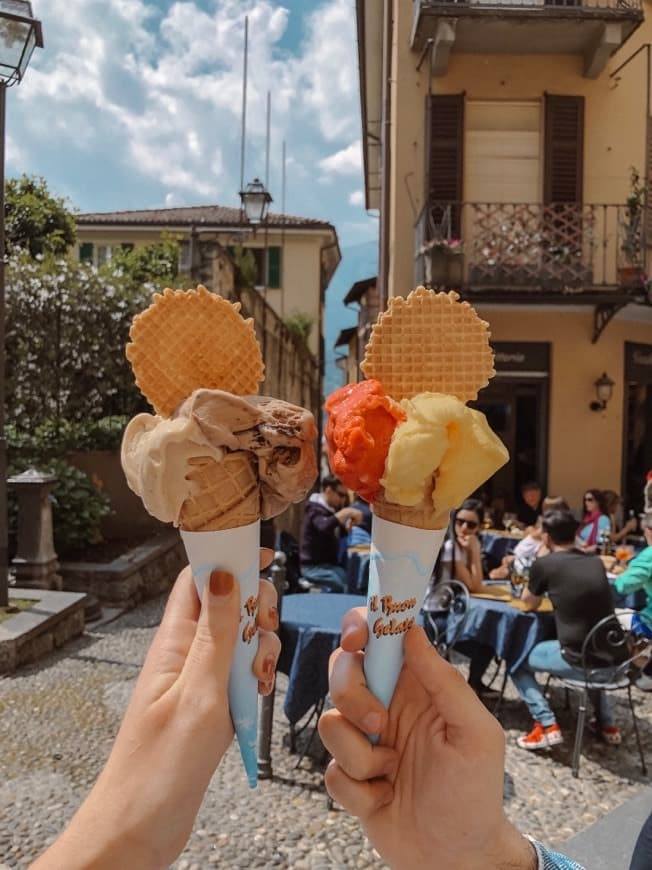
(35, 220)
(158, 262)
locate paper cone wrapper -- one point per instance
(402, 560)
(236, 551)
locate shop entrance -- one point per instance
(517, 412)
(516, 406)
(637, 443)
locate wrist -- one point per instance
(100, 838)
(512, 851)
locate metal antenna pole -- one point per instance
(244, 102)
(269, 120)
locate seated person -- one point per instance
(579, 590)
(461, 559)
(529, 506)
(361, 534)
(639, 576)
(326, 520)
(531, 547)
(614, 507)
(595, 523)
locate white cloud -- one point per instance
(134, 99)
(348, 161)
(357, 197)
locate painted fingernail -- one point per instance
(269, 666)
(221, 583)
(273, 616)
(371, 723)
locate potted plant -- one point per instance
(632, 232)
(443, 261)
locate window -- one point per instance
(103, 254)
(86, 252)
(268, 267)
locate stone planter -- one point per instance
(444, 268)
(141, 573)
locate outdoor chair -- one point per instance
(445, 622)
(611, 648)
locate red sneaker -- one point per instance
(540, 737)
(610, 735)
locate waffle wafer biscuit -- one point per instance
(429, 342)
(226, 493)
(420, 516)
(189, 339)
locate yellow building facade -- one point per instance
(295, 257)
(499, 142)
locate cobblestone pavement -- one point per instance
(60, 716)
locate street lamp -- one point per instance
(255, 200)
(604, 388)
(20, 34)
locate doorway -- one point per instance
(517, 411)
(637, 440)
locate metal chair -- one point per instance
(612, 659)
(451, 599)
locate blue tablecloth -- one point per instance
(310, 631)
(512, 633)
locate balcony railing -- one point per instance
(561, 247)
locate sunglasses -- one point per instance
(470, 524)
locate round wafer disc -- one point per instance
(188, 339)
(429, 342)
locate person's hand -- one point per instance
(630, 526)
(176, 729)
(469, 543)
(430, 794)
(349, 516)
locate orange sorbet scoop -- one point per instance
(361, 422)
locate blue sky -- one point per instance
(137, 104)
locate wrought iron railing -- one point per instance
(560, 246)
(552, 6)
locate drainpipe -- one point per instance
(385, 156)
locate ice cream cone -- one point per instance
(402, 560)
(235, 550)
(226, 493)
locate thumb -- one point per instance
(210, 655)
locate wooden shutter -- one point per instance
(564, 149)
(86, 252)
(274, 268)
(445, 155)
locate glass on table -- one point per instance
(623, 554)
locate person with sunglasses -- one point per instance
(326, 522)
(461, 559)
(595, 521)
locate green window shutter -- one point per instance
(127, 246)
(274, 268)
(86, 252)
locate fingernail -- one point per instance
(273, 615)
(265, 688)
(269, 666)
(221, 583)
(371, 723)
(347, 633)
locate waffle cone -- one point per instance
(429, 342)
(226, 494)
(188, 339)
(419, 516)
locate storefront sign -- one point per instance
(638, 362)
(521, 356)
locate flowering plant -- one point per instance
(450, 246)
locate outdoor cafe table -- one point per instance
(503, 624)
(311, 625)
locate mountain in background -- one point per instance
(358, 262)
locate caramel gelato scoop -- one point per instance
(158, 454)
